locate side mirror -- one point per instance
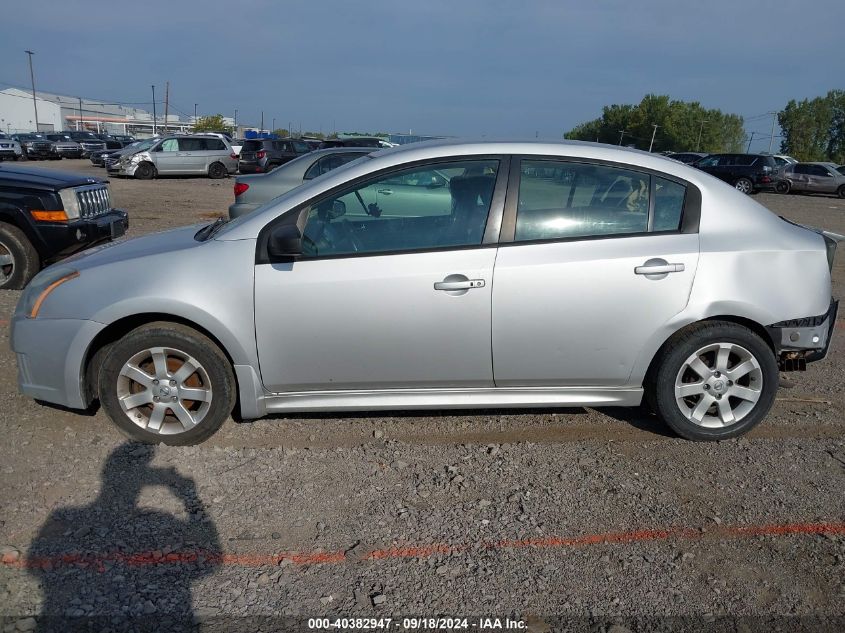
(284, 242)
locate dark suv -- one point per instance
(88, 140)
(259, 156)
(749, 173)
(46, 215)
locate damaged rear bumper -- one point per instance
(805, 340)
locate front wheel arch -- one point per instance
(117, 330)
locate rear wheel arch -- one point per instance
(750, 324)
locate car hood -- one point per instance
(135, 248)
(45, 178)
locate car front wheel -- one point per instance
(165, 382)
(714, 381)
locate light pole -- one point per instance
(273, 127)
(262, 121)
(772, 140)
(195, 114)
(700, 129)
(155, 130)
(653, 134)
(236, 122)
(32, 78)
(79, 122)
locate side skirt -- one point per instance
(483, 398)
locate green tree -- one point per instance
(212, 123)
(281, 132)
(679, 125)
(814, 129)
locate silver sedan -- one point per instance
(509, 275)
(254, 190)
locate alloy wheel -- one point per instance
(718, 385)
(743, 185)
(7, 264)
(164, 390)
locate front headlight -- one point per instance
(70, 202)
(40, 288)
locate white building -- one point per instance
(64, 112)
(17, 112)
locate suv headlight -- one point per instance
(70, 202)
(40, 288)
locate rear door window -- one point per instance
(191, 144)
(215, 144)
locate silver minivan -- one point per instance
(183, 155)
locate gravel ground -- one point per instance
(573, 519)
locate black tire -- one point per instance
(783, 187)
(744, 185)
(25, 261)
(660, 385)
(217, 171)
(841, 191)
(145, 171)
(24, 156)
(176, 337)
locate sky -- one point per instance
(499, 68)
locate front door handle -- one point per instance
(658, 269)
(464, 284)
(385, 192)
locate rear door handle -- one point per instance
(658, 269)
(459, 285)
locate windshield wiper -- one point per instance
(207, 231)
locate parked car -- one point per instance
(687, 157)
(495, 295)
(261, 155)
(35, 146)
(46, 215)
(110, 159)
(88, 140)
(782, 160)
(125, 139)
(65, 147)
(841, 169)
(749, 173)
(180, 155)
(354, 141)
(110, 141)
(814, 178)
(10, 148)
(252, 191)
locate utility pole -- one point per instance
(262, 122)
(155, 129)
(236, 122)
(273, 127)
(748, 149)
(166, 103)
(772, 139)
(700, 129)
(32, 78)
(653, 134)
(622, 133)
(79, 122)
(195, 114)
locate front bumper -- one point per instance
(51, 357)
(63, 239)
(69, 152)
(805, 340)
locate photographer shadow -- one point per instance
(113, 565)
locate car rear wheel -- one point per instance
(841, 191)
(217, 170)
(782, 186)
(165, 382)
(18, 258)
(744, 185)
(145, 171)
(714, 381)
